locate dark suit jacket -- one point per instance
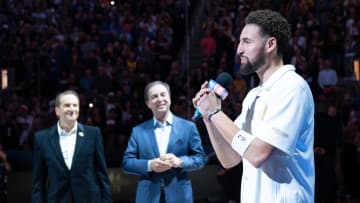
(86, 181)
(184, 142)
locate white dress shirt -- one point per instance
(162, 135)
(67, 143)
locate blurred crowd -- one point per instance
(109, 52)
(106, 52)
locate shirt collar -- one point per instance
(168, 121)
(277, 75)
(63, 132)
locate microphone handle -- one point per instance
(197, 115)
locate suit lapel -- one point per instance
(55, 145)
(175, 135)
(152, 138)
(79, 141)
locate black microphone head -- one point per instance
(225, 80)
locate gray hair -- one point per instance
(66, 92)
(151, 84)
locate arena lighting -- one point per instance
(4, 79)
(356, 70)
(108, 3)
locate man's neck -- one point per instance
(162, 117)
(67, 126)
(265, 73)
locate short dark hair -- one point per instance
(151, 84)
(66, 92)
(272, 24)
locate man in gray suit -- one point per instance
(69, 164)
(162, 150)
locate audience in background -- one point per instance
(108, 53)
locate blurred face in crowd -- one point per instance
(68, 109)
(158, 101)
(332, 111)
(251, 49)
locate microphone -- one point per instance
(220, 87)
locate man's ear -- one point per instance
(271, 44)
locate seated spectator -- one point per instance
(208, 44)
(327, 78)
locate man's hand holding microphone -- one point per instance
(208, 100)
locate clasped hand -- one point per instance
(165, 162)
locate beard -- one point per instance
(250, 68)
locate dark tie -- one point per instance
(249, 116)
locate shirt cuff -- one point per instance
(148, 166)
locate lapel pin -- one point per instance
(81, 134)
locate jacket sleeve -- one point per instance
(196, 158)
(101, 169)
(132, 161)
(39, 172)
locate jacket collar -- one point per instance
(55, 143)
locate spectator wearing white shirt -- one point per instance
(327, 77)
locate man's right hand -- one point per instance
(159, 166)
